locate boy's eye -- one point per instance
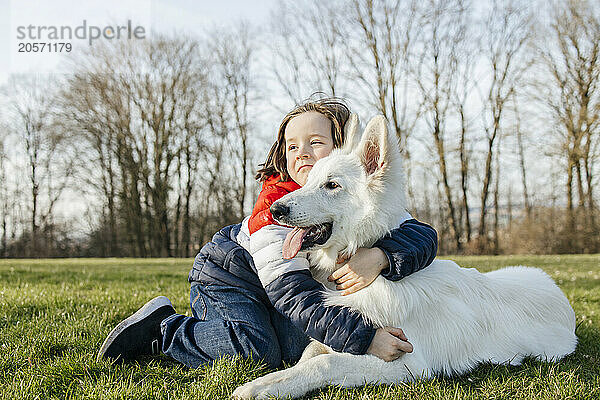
(331, 185)
(292, 147)
(316, 142)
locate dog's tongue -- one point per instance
(293, 242)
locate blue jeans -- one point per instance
(230, 320)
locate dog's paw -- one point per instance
(244, 392)
(251, 390)
(261, 388)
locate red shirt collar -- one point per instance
(275, 180)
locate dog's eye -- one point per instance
(331, 185)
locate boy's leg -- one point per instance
(226, 321)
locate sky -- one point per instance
(183, 16)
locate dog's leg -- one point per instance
(345, 370)
(314, 349)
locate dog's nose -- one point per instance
(279, 210)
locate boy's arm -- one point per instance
(293, 292)
(409, 248)
(298, 296)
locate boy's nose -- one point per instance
(304, 152)
(279, 210)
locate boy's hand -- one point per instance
(360, 270)
(389, 344)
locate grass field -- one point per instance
(54, 314)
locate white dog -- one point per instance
(456, 318)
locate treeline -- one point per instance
(496, 107)
(155, 134)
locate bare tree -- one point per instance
(466, 81)
(30, 107)
(437, 73)
(572, 100)
(384, 34)
(507, 30)
(192, 146)
(495, 248)
(306, 44)
(139, 120)
(380, 41)
(216, 205)
(4, 210)
(85, 105)
(521, 155)
(234, 63)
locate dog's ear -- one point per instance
(351, 133)
(374, 145)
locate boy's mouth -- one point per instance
(302, 238)
(306, 165)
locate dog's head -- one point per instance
(351, 198)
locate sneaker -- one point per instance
(138, 335)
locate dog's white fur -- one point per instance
(456, 318)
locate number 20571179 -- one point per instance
(43, 47)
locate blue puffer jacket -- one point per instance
(409, 248)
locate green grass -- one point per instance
(54, 314)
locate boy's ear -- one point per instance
(351, 134)
(374, 147)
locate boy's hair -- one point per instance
(331, 107)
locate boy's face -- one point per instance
(307, 139)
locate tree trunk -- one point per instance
(483, 239)
(112, 213)
(464, 170)
(523, 172)
(570, 209)
(496, 246)
(34, 200)
(591, 207)
(186, 235)
(452, 211)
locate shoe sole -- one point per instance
(139, 315)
